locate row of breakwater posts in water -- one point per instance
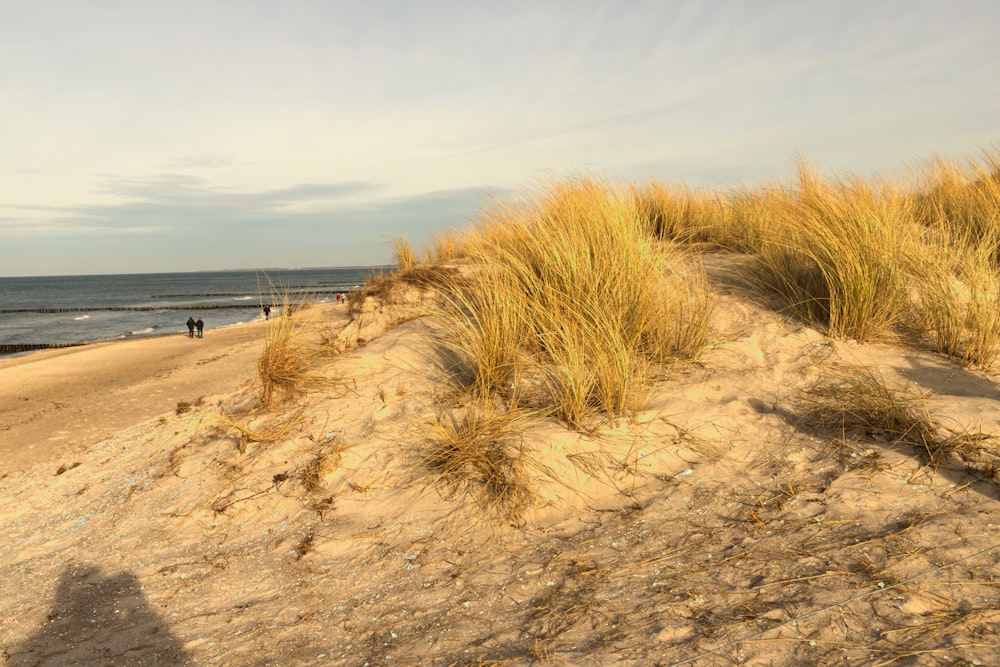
(126, 308)
(211, 306)
(301, 291)
(17, 348)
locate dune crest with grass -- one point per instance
(607, 424)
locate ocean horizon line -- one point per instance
(201, 271)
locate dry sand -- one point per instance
(717, 528)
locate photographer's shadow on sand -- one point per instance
(96, 619)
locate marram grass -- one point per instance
(579, 292)
(287, 366)
(571, 290)
(574, 297)
(404, 254)
(481, 456)
(835, 256)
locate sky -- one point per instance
(180, 135)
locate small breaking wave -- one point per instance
(82, 317)
(139, 332)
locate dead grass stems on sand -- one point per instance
(266, 431)
(327, 461)
(860, 401)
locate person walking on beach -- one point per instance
(201, 327)
(190, 324)
(267, 312)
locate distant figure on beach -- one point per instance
(201, 327)
(190, 324)
(267, 312)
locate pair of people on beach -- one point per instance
(192, 325)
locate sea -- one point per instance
(51, 311)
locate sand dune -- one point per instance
(718, 527)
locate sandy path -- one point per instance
(56, 402)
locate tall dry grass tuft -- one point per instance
(573, 292)
(982, 344)
(958, 209)
(962, 202)
(445, 247)
(403, 254)
(959, 298)
(680, 330)
(942, 301)
(756, 216)
(836, 257)
(482, 456)
(287, 365)
(681, 213)
(484, 324)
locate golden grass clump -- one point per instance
(982, 344)
(836, 255)
(403, 254)
(571, 291)
(445, 247)
(287, 365)
(483, 323)
(962, 201)
(482, 456)
(754, 217)
(959, 295)
(956, 265)
(682, 213)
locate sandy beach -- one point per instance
(715, 528)
(54, 403)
